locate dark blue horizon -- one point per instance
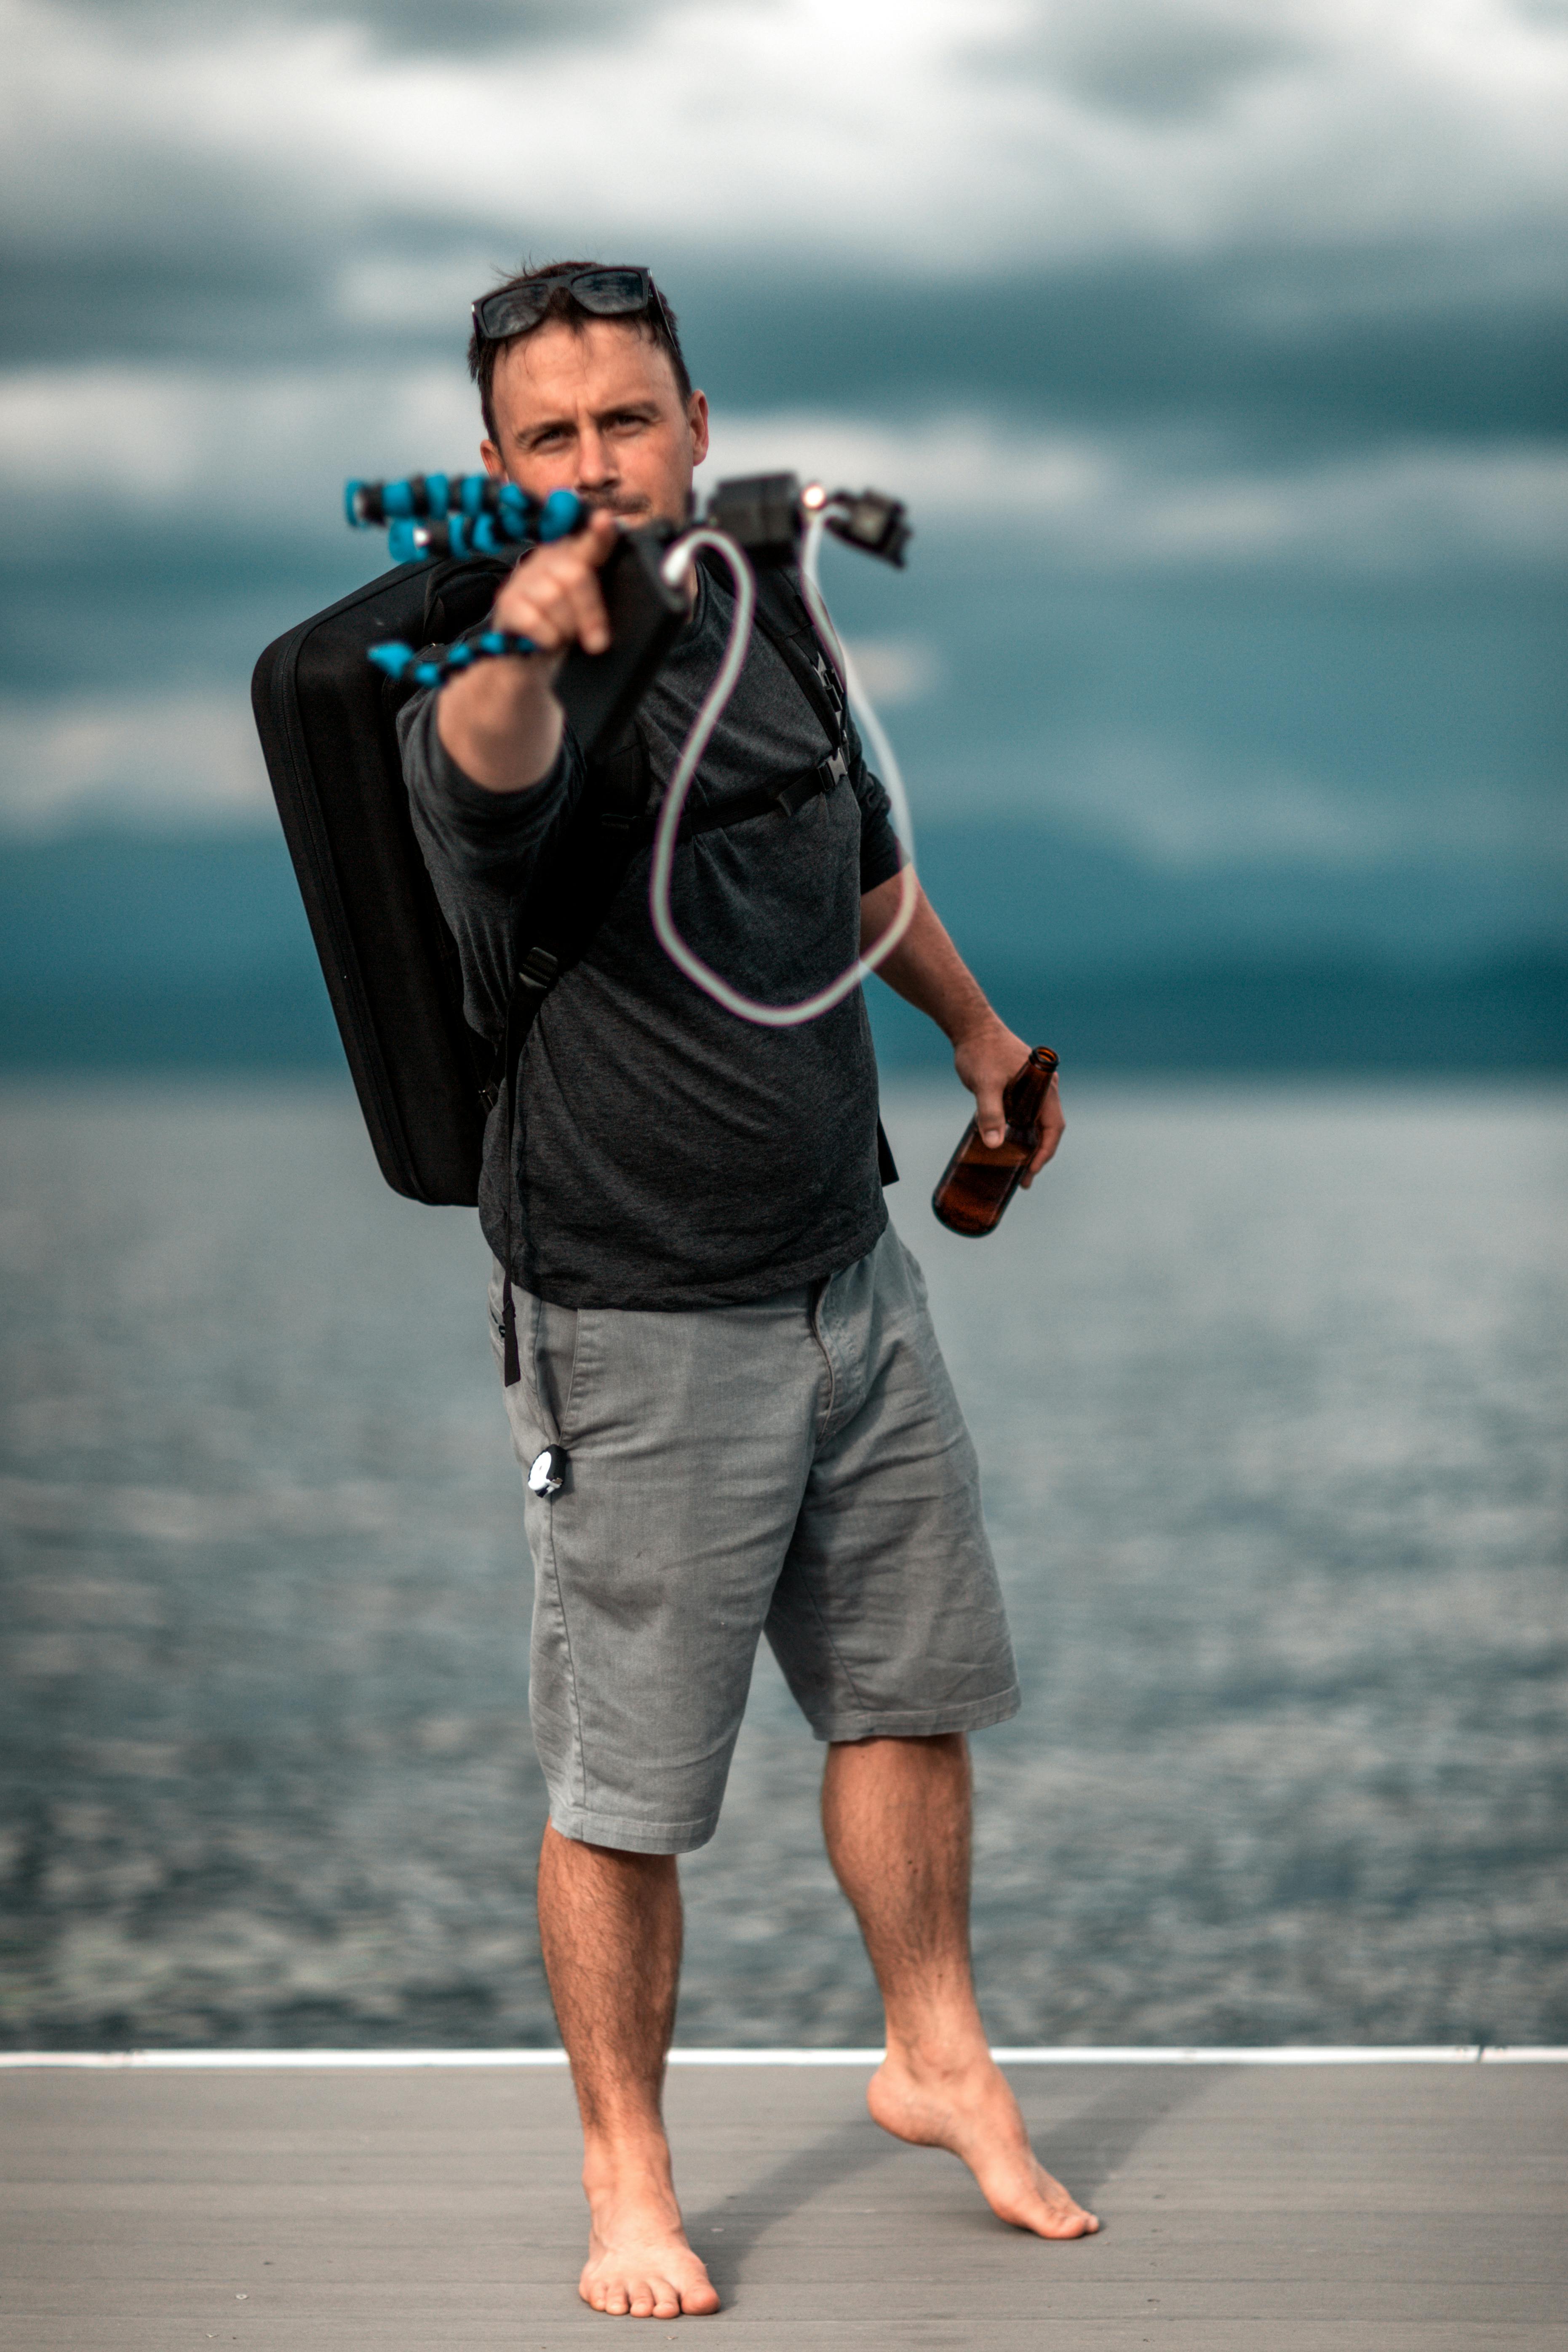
(140, 951)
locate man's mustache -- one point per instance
(608, 502)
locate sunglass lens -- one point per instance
(612, 292)
(512, 313)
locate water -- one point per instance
(1269, 1389)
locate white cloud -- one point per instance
(163, 758)
(79, 444)
(150, 440)
(935, 132)
(1178, 805)
(184, 759)
(271, 455)
(1133, 503)
(896, 671)
(176, 757)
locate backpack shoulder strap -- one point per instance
(458, 593)
(572, 885)
(784, 619)
(567, 900)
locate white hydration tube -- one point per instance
(677, 567)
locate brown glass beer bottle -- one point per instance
(982, 1178)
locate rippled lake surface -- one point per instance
(1269, 1390)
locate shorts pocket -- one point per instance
(552, 1355)
(912, 1266)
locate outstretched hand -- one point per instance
(987, 1059)
(554, 596)
(499, 720)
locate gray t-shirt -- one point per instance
(668, 1155)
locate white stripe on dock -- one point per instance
(1136, 2054)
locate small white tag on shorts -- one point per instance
(547, 1474)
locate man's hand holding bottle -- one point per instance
(988, 1062)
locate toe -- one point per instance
(1072, 2225)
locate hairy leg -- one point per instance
(609, 1924)
(896, 1814)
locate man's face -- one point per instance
(597, 411)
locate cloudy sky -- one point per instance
(1216, 344)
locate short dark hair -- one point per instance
(657, 323)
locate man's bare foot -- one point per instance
(639, 2264)
(971, 2111)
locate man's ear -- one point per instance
(492, 461)
(697, 418)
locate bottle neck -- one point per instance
(1024, 1097)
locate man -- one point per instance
(714, 1316)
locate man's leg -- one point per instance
(896, 1814)
(609, 1923)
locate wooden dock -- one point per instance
(1398, 2206)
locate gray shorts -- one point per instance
(798, 1467)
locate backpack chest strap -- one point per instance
(784, 798)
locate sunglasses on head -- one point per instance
(607, 293)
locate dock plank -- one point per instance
(1324, 2210)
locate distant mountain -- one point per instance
(147, 909)
(1033, 895)
(1217, 1014)
(146, 950)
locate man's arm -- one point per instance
(500, 722)
(927, 970)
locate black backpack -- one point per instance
(326, 717)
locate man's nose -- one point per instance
(595, 462)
